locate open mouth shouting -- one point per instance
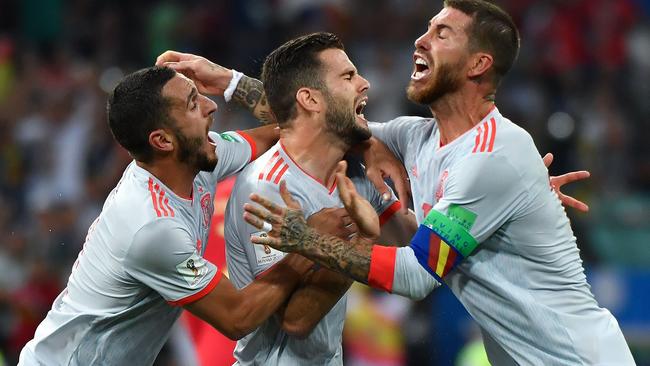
(358, 108)
(421, 68)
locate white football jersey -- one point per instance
(269, 344)
(142, 260)
(498, 236)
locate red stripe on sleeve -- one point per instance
(153, 197)
(478, 140)
(281, 173)
(169, 207)
(251, 142)
(268, 164)
(485, 137)
(389, 212)
(382, 267)
(493, 131)
(206, 290)
(161, 203)
(275, 167)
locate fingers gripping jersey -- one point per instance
(495, 232)
(142, 256)
(269, 344)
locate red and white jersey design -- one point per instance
(269, 344)
(142, 260)
(524, 284)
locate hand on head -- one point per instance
(210, 78)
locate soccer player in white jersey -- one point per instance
(491, 227)
(142, 261)
(317, 97)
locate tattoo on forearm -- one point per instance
(350, 258)
(250, 94)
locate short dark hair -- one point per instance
(136, 107)
(492, 31)
(292, 66)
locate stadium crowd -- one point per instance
(579, 86)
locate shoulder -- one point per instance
(159, 237)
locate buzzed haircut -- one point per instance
(292, 66)
(136, 107)
(492, 30)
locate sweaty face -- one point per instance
(441, 57)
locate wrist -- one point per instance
(232, 85)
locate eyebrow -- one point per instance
(442, 26)
(192, 94)
(350, 70)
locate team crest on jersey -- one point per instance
(207, 207)
(441, 185)
(193, 269)
(264, 254)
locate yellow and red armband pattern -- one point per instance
(442, 242)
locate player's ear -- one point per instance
(309, 99)
(161, 140)
(480, 64)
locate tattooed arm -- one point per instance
(392, 269)
(250, 94)
(214, 79)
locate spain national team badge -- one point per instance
(207, 207)
(441, 185)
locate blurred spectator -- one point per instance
(580, 87)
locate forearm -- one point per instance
(312, 301)
(350, 258)
(262, 297)
(250, 94)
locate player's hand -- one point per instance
(381, 163)
(360, 210)
(288, 227)
(333, 221)
(210, 78)
(559, 181)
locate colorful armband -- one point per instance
(442, 242)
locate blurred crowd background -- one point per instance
(581, 86)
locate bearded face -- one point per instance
(191, 152)
(445, 79)
(341, 119)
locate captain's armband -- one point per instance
(443, 241)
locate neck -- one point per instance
(177, 177)
(314, 149)
(459, 112)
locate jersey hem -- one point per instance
(194, 297)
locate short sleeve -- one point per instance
(247, 261)
(234, 151)
(396, 134)
(164, 257)
(482, 192)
